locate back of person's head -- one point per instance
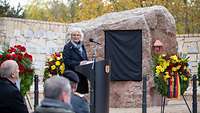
(9, 69)
(71, 75)
(73, 78)
(55, 86)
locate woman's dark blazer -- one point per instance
(72, 58)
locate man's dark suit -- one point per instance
(11, 101)
(72, 58)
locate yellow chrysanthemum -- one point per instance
(158, 69)
(62, 68)
(185, 78)
(157, 72)
(53, 67)
(174, 69)
(165, 64)
(174, 57)
(162, 70)
(57, 63)
(167, 75)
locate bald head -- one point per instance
(9, 69)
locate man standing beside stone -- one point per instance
(11, 100)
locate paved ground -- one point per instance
(174, 106)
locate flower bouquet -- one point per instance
(171, 75)
(24, 60)
(54, 65)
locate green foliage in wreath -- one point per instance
(26, 82)
(171, 75)
(160, 85)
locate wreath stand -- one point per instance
(27, 98)
(163, 102)
(194, 96)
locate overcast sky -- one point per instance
(25, 2)
(15, 2)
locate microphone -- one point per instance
(92, 40)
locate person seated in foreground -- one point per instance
(57, 96)
(79, 103)
(11, 100)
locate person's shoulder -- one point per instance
(8, 87)
(78, 94)
(79, 97)
(52, 110)
(68, 45)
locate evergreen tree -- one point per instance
(7, 11)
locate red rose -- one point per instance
(21, 68)
(1, 56)
(14, 56)
(31, 58)
(16, 46)
(20, 48)
(19, 57)
(11, 50)
(26, 55)
(8, 56)
(23, 49)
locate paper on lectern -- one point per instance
(86, 62)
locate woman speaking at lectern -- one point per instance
(74, 54)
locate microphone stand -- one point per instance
(93, 81)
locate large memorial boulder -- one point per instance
(156, 23)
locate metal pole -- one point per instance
(36, 91)
(92, 93)
(144, 96)
(93, 82)
(194, 97)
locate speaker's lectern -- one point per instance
(98, 75)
